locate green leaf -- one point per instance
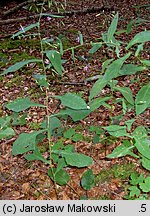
(116, 130)
(127, 93)
(112, 28)
(111, 73)
(121, 151)
(96, 103)
(5, 122)
(52, 15)
(76, 159)
(72, 101)
(77, 137)
(141, 37)
(22, 104)
(142, 100)
(129, 123)
(54, 123)
(88, 180)
(145, 62)
(142, 141)
(76, 115)
(105, 64)
(81, 38)
(36, 155)
(134, 191)
(55, 59)
(145, 187)
(129, 69)
(60, 164)
(7, 132)
(145, 163)
(136, 179)
(25, 29)
(139, 49)
(95, 47)
(69, 133)
(61, 177)
(25, 142)
(19, 65)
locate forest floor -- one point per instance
(20, 179)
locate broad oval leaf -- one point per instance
(111, 72)
(77, 159)
(61, 177)
(36, 155)
(72, 101)
(7, 132)
(88, 180)
(145, 163)
(142, 100)
(142, 141)
(76, 115)
(19, 65)
(22, 104)
(117, 131)
(25, 142)
(141, 37)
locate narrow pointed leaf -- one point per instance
(111, 73)
(112, 28)
(25, 29)
(142, 100)
(141, 37)
(145, 62)
(127, 93)
(96, 103)
(129, 69)
(19, 65)
(55, 59)
(95, 47)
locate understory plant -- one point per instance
(135, 143)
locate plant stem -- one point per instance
(47, 100)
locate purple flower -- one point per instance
(47, 61)
(78, 39)
(48, 18)
(22, 29)
(86, 68)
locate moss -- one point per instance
(34, 125)
(121, 171)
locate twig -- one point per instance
(17, 7)
(9, 141)
(67, 13)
